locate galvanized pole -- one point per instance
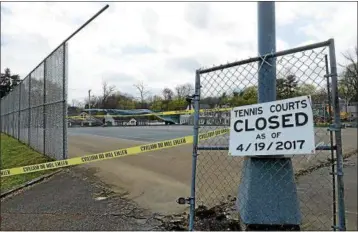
(329, 98)
(338, 135)
(262, 206)
(195, 151)
(266, 45)
(44, 109)
(29, 120)
(64, 92)
(19, 115)
(13, 95)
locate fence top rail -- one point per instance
(270, 55)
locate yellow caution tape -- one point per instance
(112, 154)
(181, 112)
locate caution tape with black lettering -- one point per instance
(181, 112)
(111, 154)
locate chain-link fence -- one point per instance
(35, 111)
(299, 72)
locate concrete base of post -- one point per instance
(267, 198)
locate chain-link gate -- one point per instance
(35, 111)
(300, 71)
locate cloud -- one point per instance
(183, 64)
(198, 14)
(5, 10)
(3, 39)
(137, 49)
(161, 43)
(118, 77)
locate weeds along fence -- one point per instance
(308, 70)
(35, 111)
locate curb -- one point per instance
(29, 183)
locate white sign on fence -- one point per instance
(283, 127)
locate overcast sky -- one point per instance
(159, 43)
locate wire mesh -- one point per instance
(36, 103)
(15, 114)
(24, 110)
(218, 175)
(54, 109)
(34, 111)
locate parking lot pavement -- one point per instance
(137, 133)
(70, 201)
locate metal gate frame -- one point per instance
(332, 87)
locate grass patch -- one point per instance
(16, 154)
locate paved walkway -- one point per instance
(70, 201)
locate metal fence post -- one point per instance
(195, 151)
(338, 135)
(330, 115)
(13, 133)
(19, 115)
(29, 120)
(44, 110)
(64, 93)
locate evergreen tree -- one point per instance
(8, 82)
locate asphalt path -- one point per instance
(72, 200)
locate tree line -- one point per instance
(111, 98)
(287, 86)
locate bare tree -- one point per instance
(168, 94)
(143, 93)
(190, 89)
(96, 102)
(107, 90)
(184, 90)
(348, 82)
(76, 103)
(150, 98)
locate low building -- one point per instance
(207, 118)
(121, 117)
(132, 122)
(352, 109)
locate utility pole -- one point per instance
(262, 206)
(89, 107)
